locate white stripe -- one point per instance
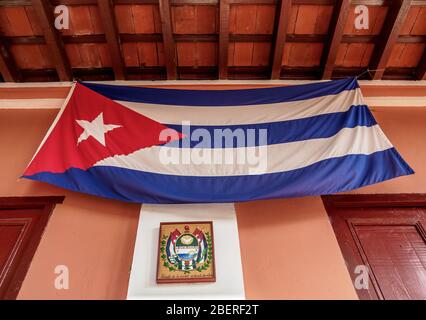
(276, 158)
(261, 113)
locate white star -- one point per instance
(95, 129)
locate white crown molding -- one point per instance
(31, 103)
(57, 103)
(208, 82)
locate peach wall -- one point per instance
(288, 247)
(289, 251)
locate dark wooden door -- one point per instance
(22, 221)
(385, 233)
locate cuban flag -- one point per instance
(202, 242)
(170, 246)
(150, 145)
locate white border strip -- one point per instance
(229, 272)
(31, 103)
(396, 101)
(57, 103)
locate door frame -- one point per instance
(351, 248)
(13, 279)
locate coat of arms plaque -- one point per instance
(186, 252)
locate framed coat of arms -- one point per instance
(186, 252)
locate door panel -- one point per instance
(397, 257)
(9, 235)
(388, 237)
(22, 221)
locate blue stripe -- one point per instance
(223, 97)
(325, 177)
(321, 126)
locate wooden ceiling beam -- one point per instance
(208, 2)
(193, 2)
(94, 2)
(13, 3)
(223, 38)
(421, 68)
(8, 68)
(106, 11)
(395, 18)
(168, 40)
(242, 73)
(158, 37)
(53, 40)
(281, 26)
(336, 29)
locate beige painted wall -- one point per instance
(289, 251)
(288, 247)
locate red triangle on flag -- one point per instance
(92, 128)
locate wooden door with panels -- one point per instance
(387, 235)
(22, 222)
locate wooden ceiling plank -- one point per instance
(389, 36)
(106, 11)
(8, 68)
(280, 38)
(336, 30)
(168, 40)
(53, 40)
(224, 8)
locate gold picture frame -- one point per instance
(186, 252)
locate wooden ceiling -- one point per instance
(212, 39)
